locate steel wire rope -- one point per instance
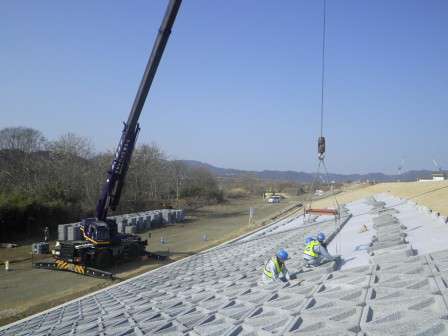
(328, 179)
(310, 198)
(323, 68)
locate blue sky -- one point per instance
(239, 83)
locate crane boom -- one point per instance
(111, 192)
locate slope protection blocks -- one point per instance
(219, 292)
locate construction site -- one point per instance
(179, 247)
(393, 284)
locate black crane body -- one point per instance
(102, 243)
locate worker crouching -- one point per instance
(275, 268)
(315, 252)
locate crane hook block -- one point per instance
(321, 145)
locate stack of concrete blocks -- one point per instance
(168, 216)
(129, 223)
(140, 225)
(69, 231)
(142, 221)
(220, 292)
(74, 232)
(389, 232)
(40, 248)
(180, 215)
(147, 218)
(126, 223)
(156, 219)
(130, 229)
(121, 223)
(377, 206)
(62, 232)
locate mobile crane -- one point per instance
(101, 241)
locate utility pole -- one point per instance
(251, 216)
(177, 192)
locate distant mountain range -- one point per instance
(295, 176)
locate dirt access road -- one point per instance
(25, 291)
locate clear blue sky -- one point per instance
(239, 83)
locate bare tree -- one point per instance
(21, 157)
(147, 174)
(22, 138)
(72, 144)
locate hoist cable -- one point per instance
(323, 69)
(321, 142)
(332, 190)
(310, 199)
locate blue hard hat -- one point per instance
(309, 239)
(282, 255)
(320, 237)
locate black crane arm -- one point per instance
(111, 192)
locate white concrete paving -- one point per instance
(351, 243)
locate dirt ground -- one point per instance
(213, 225)
(25, 291)
(431, 194)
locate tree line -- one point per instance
(45, 183)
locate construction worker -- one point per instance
(46, 234)
(309, 239)
(316, 253)
(275, 268)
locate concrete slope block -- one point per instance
(402, 323)
(315, 326)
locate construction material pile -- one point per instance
(129, 223)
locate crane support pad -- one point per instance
(321, 211)
(61, 265)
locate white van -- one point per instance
(274, 199)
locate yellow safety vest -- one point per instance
(309, 249)
(278, 267)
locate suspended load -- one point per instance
(316, 211)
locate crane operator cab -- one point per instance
(98, 232)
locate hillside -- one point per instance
(294, 176)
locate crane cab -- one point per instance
(98, 232)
